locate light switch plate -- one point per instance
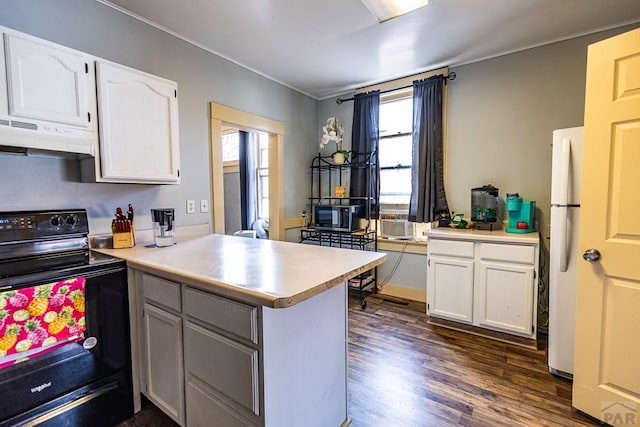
(204, 206)
(191, 206)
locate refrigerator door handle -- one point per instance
(564, 171)
(561, 252)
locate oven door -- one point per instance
(80, 381)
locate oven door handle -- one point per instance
(85, 397)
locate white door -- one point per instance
(504, 295)
(138, 126)
(48, 82)
(450, 288)
(607, 345)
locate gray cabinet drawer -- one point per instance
(161, 291)
(225, 365)
(203, 409)
(508, 253)
(462, 249)
(231, 316)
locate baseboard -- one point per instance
(404, 292)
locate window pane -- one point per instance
(395, 186)
(230, 146)
(396, 117)
(395, 151)
(263, 149)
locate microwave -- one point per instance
(338, 217)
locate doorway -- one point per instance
(223, 117)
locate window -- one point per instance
(263, 175)
(395, 152)
(260, 152)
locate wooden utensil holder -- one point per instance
(124, 239)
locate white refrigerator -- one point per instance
(563, 252)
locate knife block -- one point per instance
(124, 239)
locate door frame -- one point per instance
(221, 114)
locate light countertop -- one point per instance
(485, 235)
(256, 271)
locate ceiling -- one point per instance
(325, 48)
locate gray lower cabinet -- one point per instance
(200, 355)
(164, 360)
(162, 364)
(210, 361)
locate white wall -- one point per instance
(89, 26)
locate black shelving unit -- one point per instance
(326, 175)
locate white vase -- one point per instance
(338, 157)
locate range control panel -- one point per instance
(29, 225)
(17, 223)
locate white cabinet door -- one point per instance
(450, 288)
(138, 115)
(504, 297)
(164, 361)
(48, 82)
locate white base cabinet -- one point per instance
(206, 360)
(484, 279)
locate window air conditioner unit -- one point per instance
(396, 226)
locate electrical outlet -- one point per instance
(191, 206)
(204, 206)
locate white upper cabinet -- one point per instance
(47, 81)
(47, 96)
(138, 117)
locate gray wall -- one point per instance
(501, 114)
(89, 26)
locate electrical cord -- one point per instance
(395, 265)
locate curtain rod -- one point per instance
(450, 76)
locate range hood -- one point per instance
(23, 136)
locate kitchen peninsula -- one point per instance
(237, 332)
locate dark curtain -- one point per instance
(365, 182)
(248, 179)
(428, 199)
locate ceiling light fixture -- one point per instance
(385, 10)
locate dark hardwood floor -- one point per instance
(404, 372)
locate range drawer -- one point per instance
(224, 365)
(161, 291)
(509, 253)
(231, 316)
(457, 248)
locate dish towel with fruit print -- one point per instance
(38, 319)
